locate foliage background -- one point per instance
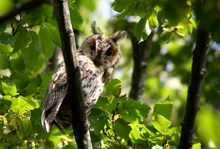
(27, 44)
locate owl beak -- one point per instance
(97, 60)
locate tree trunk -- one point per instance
(79, 121)
(193, 98)
(140, 56)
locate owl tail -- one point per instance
(45, 123)
(48, 124)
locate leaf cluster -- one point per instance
(120, 122)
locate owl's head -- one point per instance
(103, 51)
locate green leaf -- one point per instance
(36, 125)
(113, 87)
(9, 88)
(196, 146)
(141, 8)
(38, 15)
(47, 46)
(22, 105)
(76, 18)
(139, 135)
(33, 57)
(118, 146)
(17, 62)
(4, 61)
(26, 128)
(5, 105)
(153, 21)
(107, 105)
(175, 11)
(5, 48)
(5, 38)
(21, 80)
(52, 31)
(122, 128)
(164, 108)
(22, 39)
(140, 30)
(33, 86)
(120, 5)
(161, 123)
(133, 111)
(97, 121)
(174, 135)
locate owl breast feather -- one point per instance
(91, 77)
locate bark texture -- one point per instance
(80, 121)
(193, 97)
(140, 56)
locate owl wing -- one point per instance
(56, 92)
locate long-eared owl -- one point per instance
(96, 57)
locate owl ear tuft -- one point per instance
(95, 30)
(118, 35)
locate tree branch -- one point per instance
(18, 8)
(79, 121)
(193, 98)
(140, 56)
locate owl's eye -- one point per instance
(109, 52)
(92, 47)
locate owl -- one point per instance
(96, 58)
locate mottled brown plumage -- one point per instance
(97, 58)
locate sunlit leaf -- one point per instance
(133, 111)
(9, 88)
(107, 104)
(164, 108)
(76, 18)
(5, 48)
(23, 105)
(196, 146)
(113, 87)
(140, 30)
(161, 123)
(153, 21)
(138, 135)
